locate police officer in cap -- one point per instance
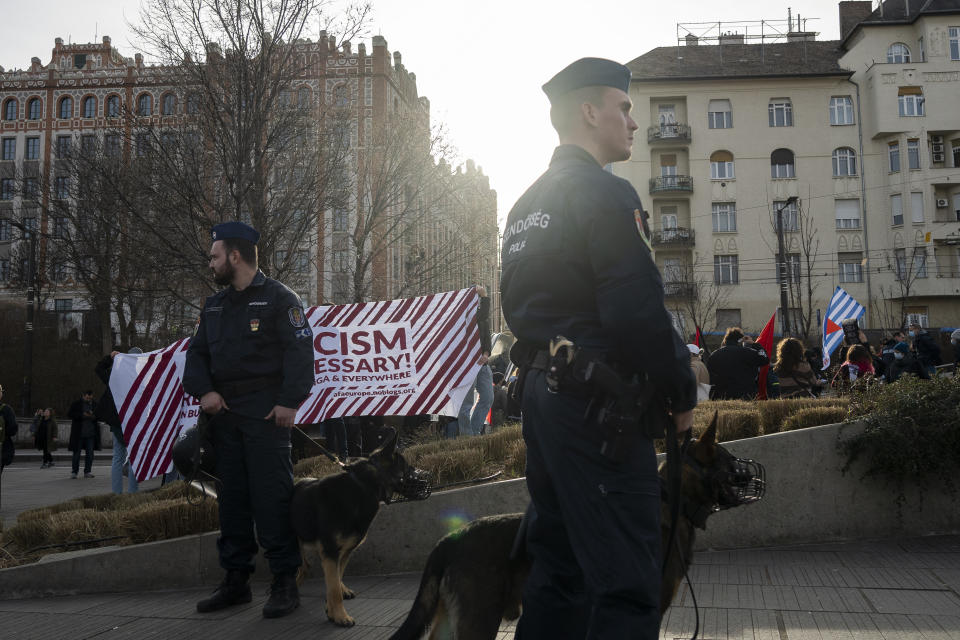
(577, 263)
(251, 365)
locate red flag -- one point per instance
(697, 338)
(765, 340)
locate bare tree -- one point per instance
(692, 291)
(801, 283)
(906, 265)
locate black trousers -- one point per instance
(86, 445)
(595, 532)
(256, 484)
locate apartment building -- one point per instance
(848, 143)
(83, 91)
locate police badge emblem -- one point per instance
(641, 227)
(296, 316)
(254, 324)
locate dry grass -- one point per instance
(315, 467)
(170, 519)
(813, 417)
(773, 413)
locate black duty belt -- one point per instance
(237, 388)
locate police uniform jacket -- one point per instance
(577, 263)
(260, 332)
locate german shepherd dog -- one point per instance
(331, 515)
(472, 580)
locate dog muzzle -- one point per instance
(746, 483)
(415, 485)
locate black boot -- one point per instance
(233, 590)
(284, 596)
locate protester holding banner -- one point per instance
(471, 422)
(580, 289)
(251, 364)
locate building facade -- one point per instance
(85, 89)
(846, 144)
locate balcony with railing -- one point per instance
(671, 184)
(678, 289)
(673, 132)
(675, 236)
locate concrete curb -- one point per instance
(808, 500)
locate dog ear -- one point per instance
(388, 447)
(709, 437)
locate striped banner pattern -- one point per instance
(842, 306)
(445, 343)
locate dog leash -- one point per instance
(675, 454)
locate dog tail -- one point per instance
(427, 601)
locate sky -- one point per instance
(481, 64)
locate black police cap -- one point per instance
(233, 229)
(588, 72)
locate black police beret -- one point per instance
(238, 230)
(588, 72)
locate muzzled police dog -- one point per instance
(473, 579)
(331, 515)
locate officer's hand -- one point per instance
(283, 416)
(483, 359)
(683, 420)
(113, 354)
(213, 403)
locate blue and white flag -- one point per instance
(842, 307)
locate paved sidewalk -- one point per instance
(907, 589)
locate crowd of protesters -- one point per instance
(742, 370)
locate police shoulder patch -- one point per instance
(296, 316)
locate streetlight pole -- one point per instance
(782, 269)
(29, 234)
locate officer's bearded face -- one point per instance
(614, 127)
(223, 270)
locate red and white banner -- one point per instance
(397, 357)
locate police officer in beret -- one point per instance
(251, 365)
(577, 263)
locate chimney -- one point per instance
(731, 38)
(691, 40)
(852, 12)
(397, 60)
(346, 47)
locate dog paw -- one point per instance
(342, 620)
(348, 593)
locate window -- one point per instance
(782, 164)
(780, 112)
(721, 165)
(898, 53)
(726, 270)
(303, 98)
(58, 271)
(923, 52)
(168, 141)
(728, 318)
(669, 222)
(66, 108)
(63, 304)
(143, 144)
(792, 265)
(113, 106)
(90, 107)
(6, 189)
(4, 271)
(841, 110)
(31, 189)
(893, 152)
(847, 213)
(341, 260)
(301, 261)
(63, 146)
(896, 209)
(9, 148)
(340, 98)
(850, 266)
(30, 227)
(954, 43)
(32, 151)
(193, 103)
(910, 101)
(916, 207)
(913, 154)
(169, 106)
(340, 219)
(59, 229)
(790, 215)
(144, 104)
(724, 217)
(88, 145)
(668, 169)
(34, 108)
(920, 262)
(10, 109)
(111, 145)
(61, 187)
(5, 228)
(844, 162)
(917, 315)
(719, 114)
(284, 100)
